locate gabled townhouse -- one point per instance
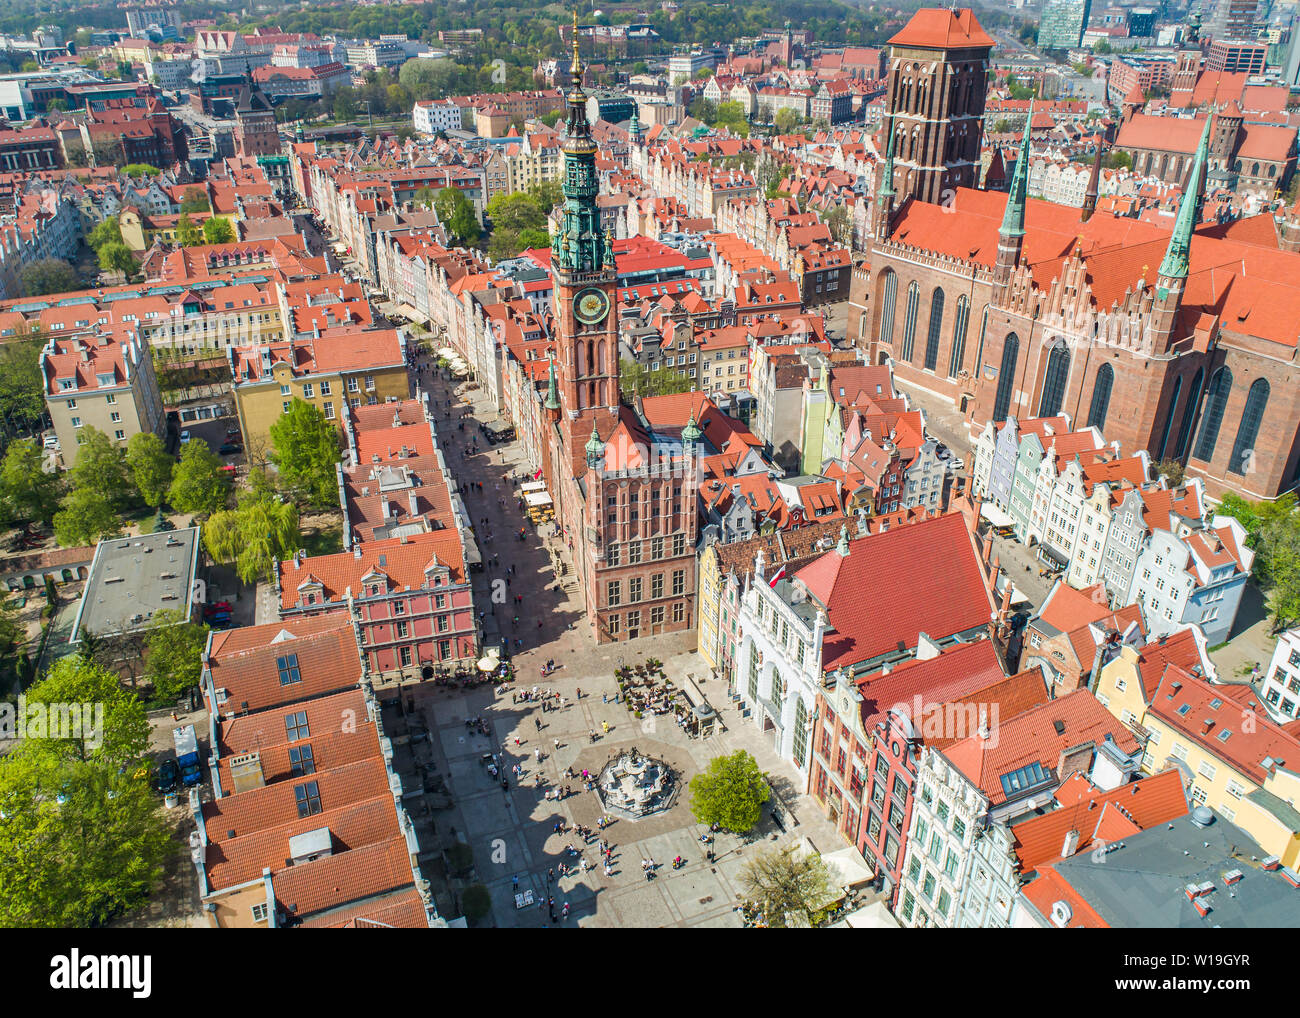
(959, 870)
(832, 617)
(1075, 632)
(1187, 576)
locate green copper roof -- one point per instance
(692, 432)
(594, 447)
(1180, 244)
(1013, 220)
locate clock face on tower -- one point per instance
(591, 306)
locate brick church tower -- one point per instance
(937, 72)
(582, 262)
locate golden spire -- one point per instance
(577, 57)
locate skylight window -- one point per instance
(288, 668)
(307, 797)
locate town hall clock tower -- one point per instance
(582, 263)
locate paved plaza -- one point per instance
(512, 833)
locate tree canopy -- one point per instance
(255, 536)
(730, 793)
(306, 451)
(81, 831)
(218, 230)
(48, 275)
(174, 649)
(27, 493)
(792, 889)
(456, 214)
(198, 486)
(151, 467)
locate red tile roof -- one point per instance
(1251, 738)
(1051, 887)
(350, 876)
(893, 586)
(957, 672)
(1011, 696)
(942, 28)
(1032, 737)
(244, 661)
(403, 561)
(1142, 804)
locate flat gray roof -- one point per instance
(133, 578)
(1143, 884)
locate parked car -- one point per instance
(185, 437)
(168, 776)
(230, 448)
(51, 441)
(232, 431)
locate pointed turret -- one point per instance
(1174, 266)
(1172, 278)
(1011, 236)
(1013, 220)
(1094, 185)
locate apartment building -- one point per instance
(330, 370)
(99, 382)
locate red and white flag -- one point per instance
(776, 577)
(538, 474)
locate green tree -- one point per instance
(733, 117)
(85, 517)
(187, 234)
(1117, 159)
(81, 831)
(552, 118)
(792, 889)
(151, 467)
(218, 230)
(198, 485)
(174, 648)
(456, 213)
(101, 467)
(840, 224)
(140, 170)
(1280, 546)
(22, 385)
(306, 451)
(194, 200)
(345, 104)
(255, 536)
(109, 231)
(27, 493)
(730, 793)
(786, 120)
(48, 275)
(125, 734)
(117, 257)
